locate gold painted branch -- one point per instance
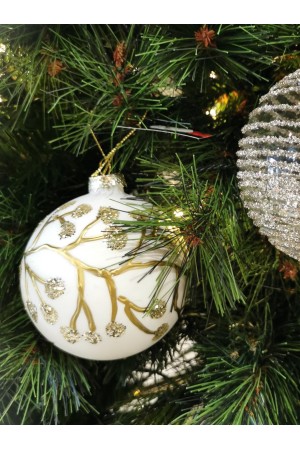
(133, 319)
(112, 293)
(82, 305)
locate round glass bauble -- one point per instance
(83, 289)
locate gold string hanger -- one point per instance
(105, 163)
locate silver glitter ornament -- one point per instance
(269, 163)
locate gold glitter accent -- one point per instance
(67, 228)
(115, 329)
(252, 344)
(116, 239)
(158, 309)
(92, 337)
(65, 205)
(107, 214)
(160, 331)
(32, 309)
(49, 313)
(97, 183)
(55, 287)
(70, 335)
(81, 210)
(138, 216)
(234, 355)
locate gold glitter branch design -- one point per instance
(49, 313)
(55, 286)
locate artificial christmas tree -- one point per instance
(165, 106)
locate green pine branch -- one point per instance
(35, 380)
(250, 369)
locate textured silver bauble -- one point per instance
(269, 163)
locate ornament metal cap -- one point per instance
(100, 182)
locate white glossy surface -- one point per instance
(137, 285)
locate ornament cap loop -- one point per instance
(106, 182)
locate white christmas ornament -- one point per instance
(269, 163)
(82, 290)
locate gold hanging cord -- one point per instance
(105, 164)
